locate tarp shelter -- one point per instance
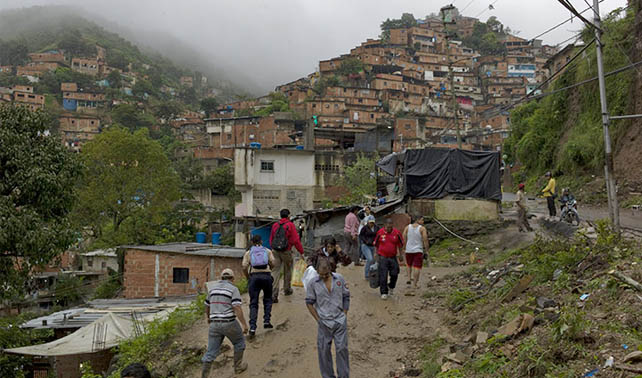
(83, 340)
(437, 172)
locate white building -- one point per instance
(272, 179)
(99, 261)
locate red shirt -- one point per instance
(387, 243)
(290, 232)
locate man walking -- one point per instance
(256, 267)
(416, 237)
(328, 300)
(522, 217)
(350, 233)
(549, 194)
(388, 244)
(367, 237)
(223, 307)
(283, 237)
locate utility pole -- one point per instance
(611, 191)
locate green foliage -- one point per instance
(572, 325)
(459, 296)
(12, 336)
(114, 79)
(130, 116)
(128, 189)
(87, 371)
(169, 109)
(153, 347)
(359, 180)
(13, 53)
(430, 358)
(209, 105)
(563, 132)
(50, 81)
(326, 81)
(110, 287)
(36, 195)
(72, 42)
(241, 284)
(69, 290)
(486, 38)
(278, 103)
(350, 66)
(407, 20)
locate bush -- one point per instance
(110, 287)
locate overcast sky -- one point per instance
(277, 41)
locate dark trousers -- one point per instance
(351, 247)
(552, 211)
(260, 282)
(388, 266)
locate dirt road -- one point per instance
(383, 335)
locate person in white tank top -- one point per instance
(416, 238)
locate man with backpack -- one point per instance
(283, 237)
(256, 267)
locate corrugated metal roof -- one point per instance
(109, 252)
(196, 249)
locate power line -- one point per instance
(560, 24)
(572, 9)
(485, 9)
(466, 7)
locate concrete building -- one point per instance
(82, 101)
(272, 179)
(86, 66)
(187, 81)
(99, 261)
(78, 129)
(175, 269)
(28, 98)
(48, 56)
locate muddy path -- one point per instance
(384, 336)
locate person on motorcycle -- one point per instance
(565, 198)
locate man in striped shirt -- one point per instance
(223, 306)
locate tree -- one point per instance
(36, 195)
(13, 53)
(116, 59)
(129, 116)
(407, 20)
(359, 180)
(209, 105)
(350, 66)
(129, 182)
(73, 43)
(169, 110)
(114, 79)
(141, 87)
(278, 103)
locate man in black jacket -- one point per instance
(367, 237)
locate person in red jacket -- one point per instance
(283, 237)
(389, 246)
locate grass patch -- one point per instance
(430, 357)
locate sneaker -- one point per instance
(391, 292)
(288, 291)
(384, 296)
(252, 332)
(268, 325)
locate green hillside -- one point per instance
(563, 132)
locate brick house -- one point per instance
(49, 56)
(29, 99)
(77, 129)
(86, 66)
(68, 87)
(175, 269)
(187, 81)
(82, 101)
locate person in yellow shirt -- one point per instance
(550, 194)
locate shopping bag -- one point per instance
(297, 274)
(373, 275)
(309, 276)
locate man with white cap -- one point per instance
(223, 307)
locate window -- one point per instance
(181, 275)
(267, 166)
(90, 261)
(103, 265)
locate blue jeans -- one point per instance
(368, 253)
(232, 330)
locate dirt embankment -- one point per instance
(628, 153)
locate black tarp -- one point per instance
(438, 172)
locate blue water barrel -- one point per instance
(201, 237)
(299, 147)
(256, 145)
(265, 234)
(216, 238)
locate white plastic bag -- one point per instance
(309, 275)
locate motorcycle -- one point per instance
(569, 212)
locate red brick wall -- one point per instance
(69, 366)
(139, 274)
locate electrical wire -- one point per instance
(567, 4)
(560, 24)
(466, 7)
(486, 9)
